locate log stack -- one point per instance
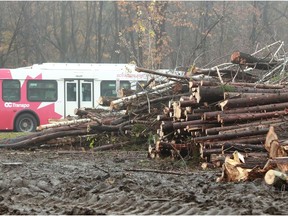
(209, 123)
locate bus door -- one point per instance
(78, 93)
(86, 93)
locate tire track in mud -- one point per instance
(82, 183)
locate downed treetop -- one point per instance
(251, 61)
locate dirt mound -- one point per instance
(85, 183)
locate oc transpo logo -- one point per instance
(15, 105)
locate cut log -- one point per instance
(230, 171)
(209, 94)
(191, 117)
(253, 101)
(191, 103)
(58, 124)
(241, 117)
(229, 136)
(234, 169)
(178, 112)
(251, 61)
(243, 129)
(257, 140)
(230, 95)
(216, 93)
(267, 108)
(216, 130)
(257, 85)
(276, 178)
(179, 125)
(272, 145)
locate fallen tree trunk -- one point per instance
(216, 130)
(257, 85)
(58, 124)
(231, 95)
(229, 136)
(267, 108)
(253, 101)
(243, 129)
(254, 139)
(251, 61)
(216, 93)
(40, 139)
(241, 117)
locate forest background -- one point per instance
(152, 34)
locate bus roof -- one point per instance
(80, 66)
(76, 70)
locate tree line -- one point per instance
(152, 34)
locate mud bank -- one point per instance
(53, 182)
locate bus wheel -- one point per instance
(25, 123)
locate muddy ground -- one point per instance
(69, 182)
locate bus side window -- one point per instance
(11, 90)
(108, 88)
(42, 90)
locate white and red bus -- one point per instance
(30, 96)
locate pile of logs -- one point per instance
(221, 118)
